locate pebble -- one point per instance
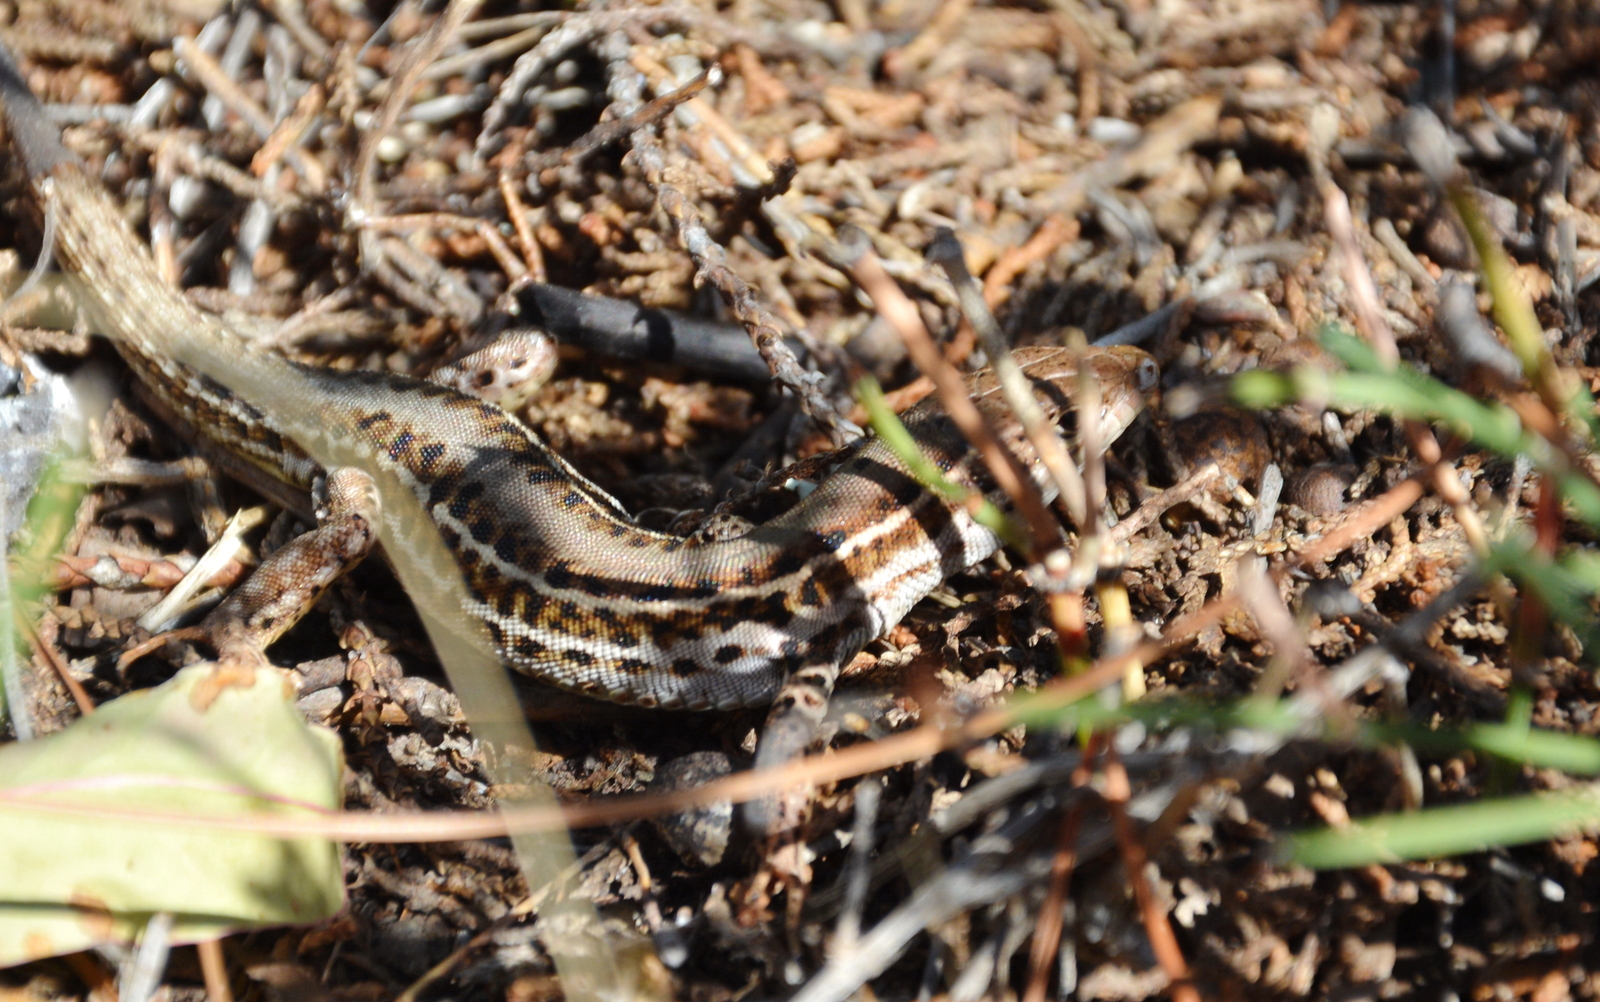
(1321, 489)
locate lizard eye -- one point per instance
(1146, 375)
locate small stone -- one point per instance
(1321, 489)
(392, 149)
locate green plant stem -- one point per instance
(894, 434)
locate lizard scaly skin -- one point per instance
(570, 590)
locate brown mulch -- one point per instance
(1100, 164)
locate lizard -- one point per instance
(569, 589)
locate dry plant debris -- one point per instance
(371, 186)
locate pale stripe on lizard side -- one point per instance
(576, 594)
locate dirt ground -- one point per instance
(1176, 166)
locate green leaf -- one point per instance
(1387, 839)
(1514, 742)
(1445, 831)
(202, 745)
(1260, 389)
(50, 517)
(1559, 585)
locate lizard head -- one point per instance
(1113, 380)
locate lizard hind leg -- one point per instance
(791, 727)
(295, 577)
